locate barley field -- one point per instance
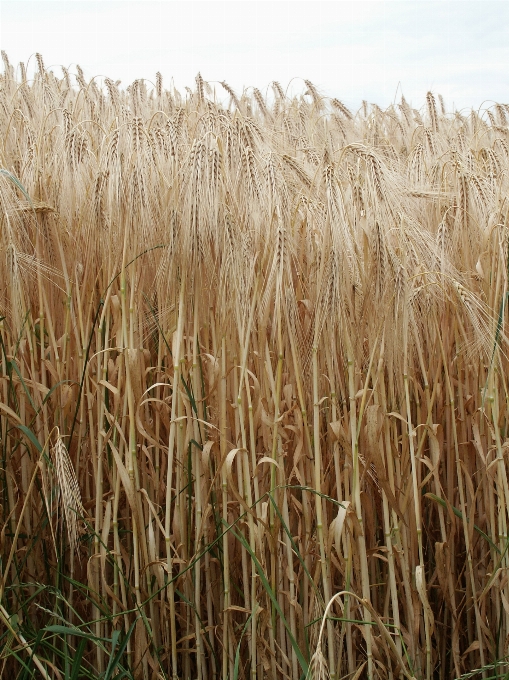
(254, 402)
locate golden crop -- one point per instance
(253, 390)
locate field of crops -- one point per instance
(254, 401)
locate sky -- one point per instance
(354, 51)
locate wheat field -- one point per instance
(253, 394)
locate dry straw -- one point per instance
(272, 336)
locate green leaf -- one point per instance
(69, 630)
(237, 653)
(16, 183)
(28, 433)
(14, 365)
(296, 550)
(115, 660)
(459, 514)
(76, 665)
(270, 593)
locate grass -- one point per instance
(253, 395)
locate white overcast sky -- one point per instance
(350, 50)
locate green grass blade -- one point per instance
(115, 660)
(459, 514)
(302, 661)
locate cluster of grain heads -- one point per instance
(253, 395)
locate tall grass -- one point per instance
(253, 392)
